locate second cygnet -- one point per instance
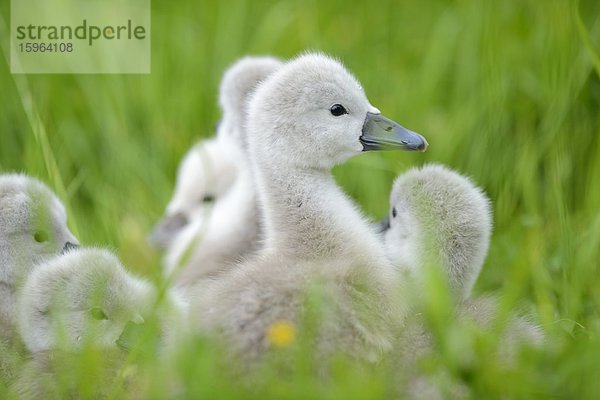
(211, 221)
(438, 218)
(86, 301)
(84, 298)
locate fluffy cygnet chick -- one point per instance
(84, 297)
(85, 300)
(307, 117)
(205, 174)
(212, 220)
(33, 228)
(439, 218)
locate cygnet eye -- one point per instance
(98, 314)
(208, 198)
(394, 212)
(337, 110)
(41, 236)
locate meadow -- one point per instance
(506, 92)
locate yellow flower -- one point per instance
(281, 333)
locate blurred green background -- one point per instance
(506, 92)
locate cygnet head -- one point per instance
(439, 218)
(205, 175)
(314, 114)
(33, 226)
(239, 82)
(84, 297)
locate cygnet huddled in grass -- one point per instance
(86, 301)
(33, 229)
(438, 219)
(212, 220)
(85, 298)
(439, 226)
(307, 117)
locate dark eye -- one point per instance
(208, 198)
(394, 212)
(41, 236)
(98, 314)
(337, 110)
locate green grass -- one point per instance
(507, 92)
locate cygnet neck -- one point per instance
(307, 216)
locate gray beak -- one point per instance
(381, 133)
(68, 247)
(132, 335)
(383, 225)
(164, 232)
